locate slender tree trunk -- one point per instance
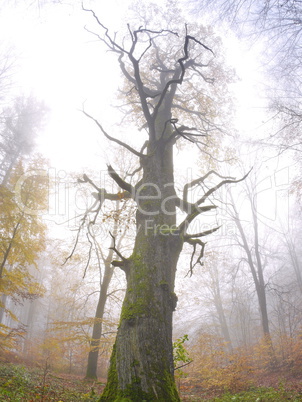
(263, 309)
(256, 270)
(260, 286)
(32, 305)
(222, 320)
(9, 247)
(91, 371)
(295, 261)
(2, 309)
(4, 262)
(217, 299)
(256, 267)
(8, 170)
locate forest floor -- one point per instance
(30, 384)
(275, 387)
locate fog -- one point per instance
(68, 224)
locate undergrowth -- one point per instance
(21, 384)
(261, 395)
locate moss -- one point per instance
(170, 387)
(140, 302)
(110, 390)
(164, 285)
(140, 297)
(134, 393)
(173, 300)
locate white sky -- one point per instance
(63, 64)
(67, 67)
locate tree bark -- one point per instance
(91, 371)
(222, 319)
(141, 365)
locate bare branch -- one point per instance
(183, 365)
(123, 144)
(182, 132)
(201, 180)
(112, 44)
(123, 264)
(86, 179)
(83, 220)
(201, 234)
(222, 183)
(181, 72)
(197, 210)
(103, 195)
(89, 255)
(194, 243)
(113, 247)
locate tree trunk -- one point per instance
(261, 294)
(222, 321)
(141, 366)
(295, 260)
(255, 268)
(91, 371)
(2, 309)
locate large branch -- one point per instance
(200, 180)
(185, 132)
(222, 183)
(197, 209)
(201, 234)
(115, 47)
(144, 93)
(123, 144)
(188, 207)
(122, 183)
(183, 67)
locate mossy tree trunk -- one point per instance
(141, 366)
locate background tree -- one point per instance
(254, 258)
(22, 235)
(213, 282)
(276, 26)
(104, 263)
(19, 124)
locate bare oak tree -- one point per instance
(141, 366)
